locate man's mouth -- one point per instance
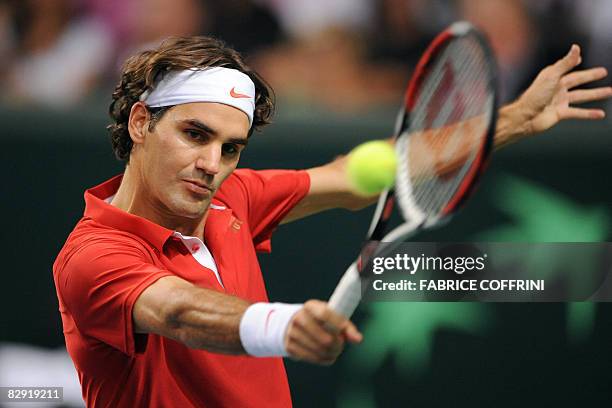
(198, 187)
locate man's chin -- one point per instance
(188, 208)
(195, 212)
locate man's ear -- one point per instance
(138, 123)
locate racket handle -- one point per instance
(347, 294)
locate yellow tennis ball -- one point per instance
(371, 167)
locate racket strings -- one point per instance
(447, 137)
(448, 125)
(454, 111)
(457, 140)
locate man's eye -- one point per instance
(193, 134)
(230, 149)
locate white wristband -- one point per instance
(263, 327)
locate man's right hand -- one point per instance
(317, 334)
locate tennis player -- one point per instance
(161, 296)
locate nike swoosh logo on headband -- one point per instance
(235, 94)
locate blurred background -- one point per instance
(338, 68)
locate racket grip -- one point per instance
(347, 294)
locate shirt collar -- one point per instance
(101, 211)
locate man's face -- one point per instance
(191, 150)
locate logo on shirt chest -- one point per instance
(235, 224)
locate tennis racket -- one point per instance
(443, 139)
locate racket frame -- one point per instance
(347, 293)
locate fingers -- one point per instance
(569, 62)
(352, 334)
(319, 310)
(590, 95)
(298, 351)
(334, 322)
(578, 113)
(583, 77)
(317, 334)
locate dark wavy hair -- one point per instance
(141, 71)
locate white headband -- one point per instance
(222, 85)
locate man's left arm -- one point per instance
(548, 101)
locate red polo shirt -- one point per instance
(111, 256)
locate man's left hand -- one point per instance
(551, 96)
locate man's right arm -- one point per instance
(197, 317)
(205, 319)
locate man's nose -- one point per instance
(209, 159)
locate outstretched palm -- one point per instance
(551, 96)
